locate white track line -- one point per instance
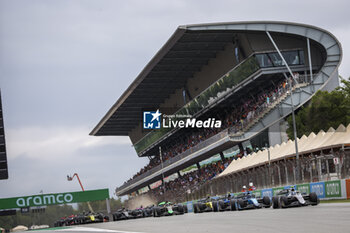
(91, 229)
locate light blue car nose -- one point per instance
(254, 201)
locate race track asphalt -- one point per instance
(333, 218)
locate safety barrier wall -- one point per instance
(317, 168)
(326, 190)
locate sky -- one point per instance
(64, 63)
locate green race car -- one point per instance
(166, 208)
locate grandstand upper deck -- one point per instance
(191, 61)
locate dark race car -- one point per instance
(81, 219)
(247, 200)
(148, 211)
(226, 203)
(61, 222)
(167, 208)
(292, 198)
(205, 205)
(67, 221)
(122, 214)
(136, 213)
(71, 220)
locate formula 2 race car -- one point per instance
(61, 222)
(94, 218)
(148, 211)
(247, 200)
(167, 208)
(205, 205)
(292, 198)
(122, 214)
(226, 203)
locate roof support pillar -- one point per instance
(272, 173)
(179, 174)
(327, 167)
(279, 53)
(302, 170)
(310, 62)
(291, 97)
(319, 169)
(222, 156)
(279, 173)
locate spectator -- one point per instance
(236, 119)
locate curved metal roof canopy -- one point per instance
(183, 55)
(187, 50)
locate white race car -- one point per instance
(292, 198)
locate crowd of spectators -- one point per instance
(189, 182)
(236, 119)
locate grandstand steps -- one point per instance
(273, 105)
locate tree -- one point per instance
(100, 206)
(325, 110)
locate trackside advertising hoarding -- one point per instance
(54, 199)
(324, 189)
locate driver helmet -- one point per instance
(251, 184)
(292, 188)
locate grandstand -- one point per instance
(244, 74)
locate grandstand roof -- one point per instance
(187, 50)
(306, 144)
(183, 55)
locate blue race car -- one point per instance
(247, 200)
(226, 203)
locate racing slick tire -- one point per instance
(180, 209)
(314, 199)
(233, 205)
(241, 204)
(195, 208)
(267, 201)
(283, 202)
(275, 203)
(221, 206)
(156, 212)
(215, 206)
(185, 209)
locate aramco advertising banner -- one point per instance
(54, 199)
